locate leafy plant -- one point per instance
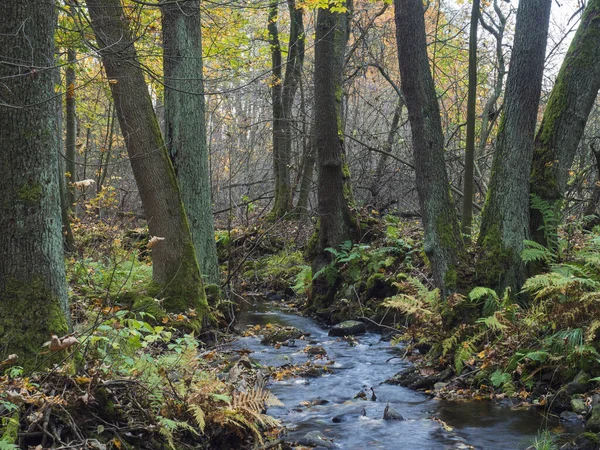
(303, 281)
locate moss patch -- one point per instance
(29, 314)
(30, 194)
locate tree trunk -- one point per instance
(467, 212)
(376, 184)
(283, 92)
(505, 217)
(71, 128)
(33, 288)
(185, 125)
(564, 120)
(442, 240)
(592, 203)
(175, 269)
(336, 220)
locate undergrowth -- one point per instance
(501, 346)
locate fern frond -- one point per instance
(492, 323)
(198, 415)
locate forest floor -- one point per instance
(137, 377)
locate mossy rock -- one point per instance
(149, 306)
(348, 328)
(578, 405)
(587, 441)
(579, 385)
(593, 423)
(279, 335)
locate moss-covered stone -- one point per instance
(278, 335)
(148, 305)
(593, 423)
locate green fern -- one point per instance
(550, 220)
(535, 252)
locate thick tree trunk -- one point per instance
(185, 125)
(283, 92)
(175, 268)
(564, 120)
(442, 241)
(33, 288)
(505, 217)
(336, 220)
(467, 212)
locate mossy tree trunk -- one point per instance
(564, 120)
(33, 287)
(505, 217)
(336, 221)
(283, 91)
(185, 126)
(175, 269)
(442, 241)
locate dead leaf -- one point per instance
(83, 184)
(154, 240)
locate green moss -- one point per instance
(30, 194)
(213, 293)
(150, 306)
(494, 260)
(591, 437)
(373, 280)
(451, 278)
(449, 241)
(29, 314)
(312, 245)
(10, 428)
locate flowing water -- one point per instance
(480, 425)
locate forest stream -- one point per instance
(358, 423)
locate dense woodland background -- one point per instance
(437, 159)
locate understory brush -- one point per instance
(136, 385)
(131, 375)
(502, 347)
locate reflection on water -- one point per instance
(481, 425)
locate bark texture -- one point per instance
(283, 91)
(442, 240)
(336, 220)
(33, 287)
(564, 120)
(467, 212)
(175, 268)
(505, 217)
(185, 126)
(71, 127)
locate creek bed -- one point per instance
(477, 424)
